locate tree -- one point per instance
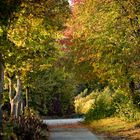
(7, 9)
(52, 92)
(105, 41)
(29, 30)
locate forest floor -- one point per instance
(115, 129)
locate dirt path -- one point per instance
(69, 129)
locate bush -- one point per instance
(102, 106)
(127, 111)
(136, 99)
(125, 108)
(83, 102)
(108, 103)
(29, 126)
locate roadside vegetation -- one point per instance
(107, 103)
(110, 114)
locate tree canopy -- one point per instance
(105, 40)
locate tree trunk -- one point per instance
(16, 101)
(13, 108)
(18, 108)
(1, 86)
(11, 87)
(22, 106)
(11, 96)
(27, 97)
(18, 95)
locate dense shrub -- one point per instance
(102, 106)
(29, 126)
(53, 92)
(125, 107)
(83, 102)
(136, 99)
(26, 126)
(127, 111)
(106, 104)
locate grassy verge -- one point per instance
(115, 128)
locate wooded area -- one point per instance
(59, 59)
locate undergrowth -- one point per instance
(107, 103)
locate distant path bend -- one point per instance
(69, 129)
